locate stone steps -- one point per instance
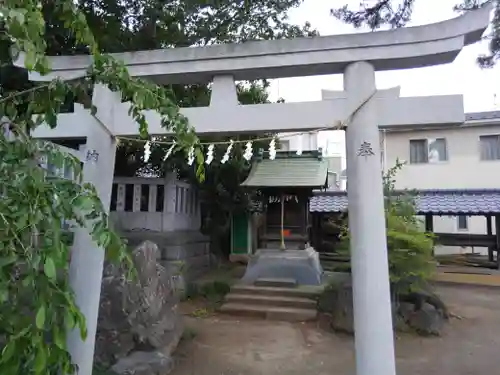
(275, 291)
(272, 299)
(277, 301)
(288, 314)
(279, 283)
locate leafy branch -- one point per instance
(39, 207)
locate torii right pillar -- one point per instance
(374, 340)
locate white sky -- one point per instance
(463, 76)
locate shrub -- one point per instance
(410, 250)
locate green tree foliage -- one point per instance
(204, 23)
(119, 26)
(37, 306)
(150, 24)
(410, 249)
(397, 13)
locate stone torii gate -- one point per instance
(357, 56)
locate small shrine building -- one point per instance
(285, 186)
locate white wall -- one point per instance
(334, 170)
(462, 170)
(294, 142)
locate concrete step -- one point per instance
(299, 292)
(278, 282)
(334, 256)
(275, 301)
(287, 314)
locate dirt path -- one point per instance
(227, 346)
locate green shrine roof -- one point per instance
(289, 170)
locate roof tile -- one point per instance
(477, 116)
(288, 171)
(465, 201)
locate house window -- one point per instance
(489, 147)
(462, 222)
(428, 150)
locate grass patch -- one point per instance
(100, 369)
(189, 334)
(212, 291)
(207, 295)
(202, 312)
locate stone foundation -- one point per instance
(184, 253)
(300, 265)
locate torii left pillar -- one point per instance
(87, 259)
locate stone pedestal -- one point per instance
(300, 265)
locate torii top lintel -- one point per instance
(404, 48)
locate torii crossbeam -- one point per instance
(357, 56)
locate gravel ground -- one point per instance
(227, 346)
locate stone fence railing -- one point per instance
(155, 204)
(151, 204)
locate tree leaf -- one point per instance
(30, 59)
(40, 359)
(49, 268)
(40, 317)
(8, 351)
(69, 320)
(83, 324)
(59, 338)
(4, 296)
(7, 260)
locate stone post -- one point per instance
(374, 340)
(87, 259)
(170, 193)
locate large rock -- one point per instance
(138, 315)
(143, 363)
(184, 254)
(422, 312)
(427, 320)
(342, 312)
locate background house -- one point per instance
(309, 142)
(294, 142)
(466, 156)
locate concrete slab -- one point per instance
(300, 265)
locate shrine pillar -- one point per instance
(374, 341)
(87, 259)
